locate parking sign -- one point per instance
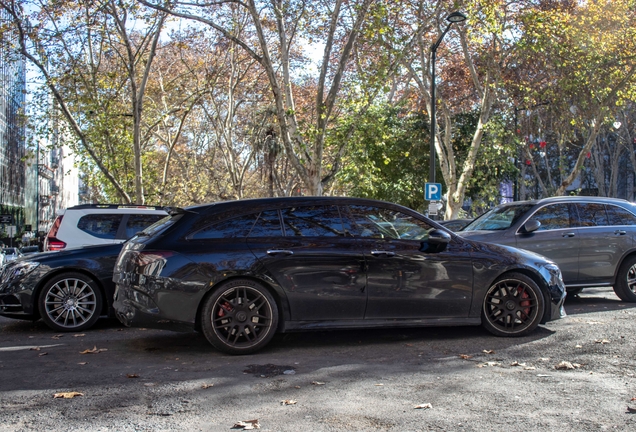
(433, 191)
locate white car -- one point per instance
(95, 224)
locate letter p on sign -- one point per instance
(433, 192)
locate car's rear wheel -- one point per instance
(513, 306)
(239, 317)
(625, 287)
(70, 302)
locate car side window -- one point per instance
(592, 214)
(313, 221)
(554, 216)
(140, 222)
(102, 226)
(620, 216)
(378, 222)
(267, 225)
(238, 227)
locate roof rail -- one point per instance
(115, 206)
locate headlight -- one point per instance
(554, 270)
(17, 270)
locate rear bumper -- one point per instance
(134, 308)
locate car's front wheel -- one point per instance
(625, 287)
(70, 302)
(513, 306)
(239, 317)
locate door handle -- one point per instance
(570, 234)
(386, 253)
(620, 232)
(279, 252)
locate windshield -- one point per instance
(499, 218)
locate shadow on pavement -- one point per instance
(592, 300)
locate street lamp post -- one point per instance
(454, 17)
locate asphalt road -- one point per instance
(465, 379)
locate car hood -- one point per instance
(516, 254)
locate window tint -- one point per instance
(238, 227)
(499, 218)
(592, 215)
(620, 216)
(267, 225)
(555, 216)
(377, 222)
(102, 226)
(138, 223)
(313, 221)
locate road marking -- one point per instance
(19, 348)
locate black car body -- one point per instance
(242, 270)
(68, 289)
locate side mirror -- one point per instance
(437, 241)
(531, 225)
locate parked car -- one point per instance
(455, 224)
(68, 289)
(93, 224)
(28, 250)
(593, 240)
(11, 253)
(241, 271)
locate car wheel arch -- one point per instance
(44, 280)
(540, 283)
(629, 254)
(281, 301)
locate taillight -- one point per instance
(51, 243)
(149, 263)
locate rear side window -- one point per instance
(313, 221)
(620, 216)
(136, 223)
(555, 216)
(238, 227)
(102, 226)
(592, 215)
(267, 225)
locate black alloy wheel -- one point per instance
(70, 302)
(513, 306)
(239, 317)
(625, 287)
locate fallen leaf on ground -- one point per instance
(578, 346)
(409, 345)
(491, 364)
(247, 425)
(604, 341)
(516, 363)
(42, 354)
(544, 375)
(79, 335)
(489, 351)
(317, 383)
(297, 387)
(206, 386)
(67, 395)
(288, 402)
(544, 359)
(633, 399)
(631, 410)
(423, 406)
(93, 351)
(132, 376)
(465, 356)
(35, 349)
(83, 363)
(566, 365)
(529, 368)
(57, 336)
(379, 385)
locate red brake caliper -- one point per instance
(227, 306)
(525, 303)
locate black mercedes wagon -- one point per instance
(240, 271)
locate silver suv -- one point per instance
(591, 239)
(94, 224)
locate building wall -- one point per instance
(12, 134)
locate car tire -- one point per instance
(625, 286)
(239, 317)
(513, 306)
(70, 302)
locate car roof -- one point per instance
(559, 199)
